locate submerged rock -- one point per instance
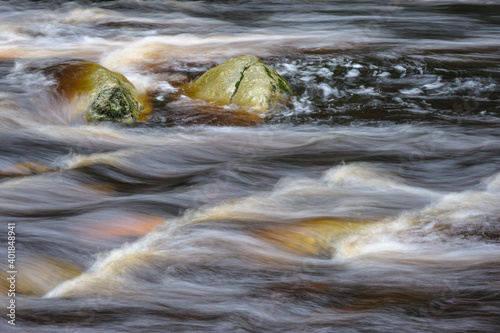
(313, 237)
(100, 93)
(244, 81)
(25, 169)
(38, 274)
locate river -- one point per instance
(369, 202)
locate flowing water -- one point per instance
(368, 203)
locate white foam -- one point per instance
(412, 91)
(493, 183)
(328, 91)
(353, 73)
(92, 15)
(367, 175)
(467, 207)
(365, 91)
(400, 69)
(434, 85)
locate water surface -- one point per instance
(367, 203)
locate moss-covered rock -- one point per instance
(244, 81)
(25, 169)
(100, 93)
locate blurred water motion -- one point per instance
(369, 202)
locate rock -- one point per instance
(244, 81)
(122, 227)
(313, 237)
(25, 169)
(38, 274)
(100, 93)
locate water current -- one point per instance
(369, 202)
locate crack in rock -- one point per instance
(237, 85)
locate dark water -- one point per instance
(368, 203)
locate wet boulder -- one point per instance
(244, 81)
(100, 93)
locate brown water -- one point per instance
(368, 203)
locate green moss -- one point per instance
(284, 85)
(275, 76)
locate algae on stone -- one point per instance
(245, 81)
(101, 93)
